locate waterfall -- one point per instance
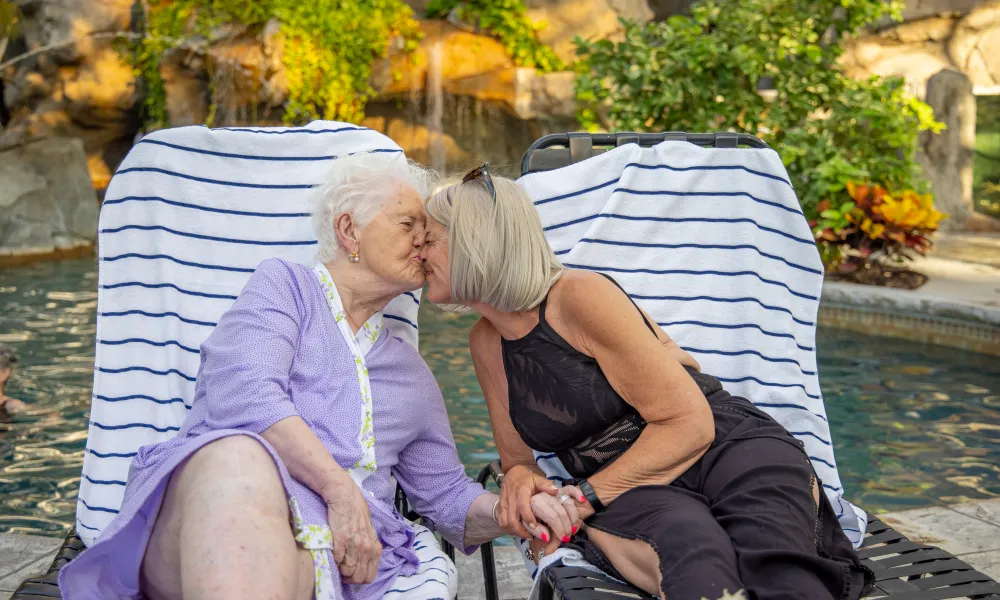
(435, 109)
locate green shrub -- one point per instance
(330, 46)
(702, 73)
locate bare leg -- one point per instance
(635, 560)
(223, 530)
(665, 541)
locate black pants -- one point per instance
(742, 518)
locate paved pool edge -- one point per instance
(959, 307)
(970, 531)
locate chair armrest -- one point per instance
(493, 472)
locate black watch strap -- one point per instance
(590, 495)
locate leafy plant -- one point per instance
(874, 224)
(10, 17)
(507, 20)
(330, 46)
(10, 20)
(703, 72)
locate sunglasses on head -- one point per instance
(482, 172)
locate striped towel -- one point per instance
(436, 577)
(187, 218)
(712, 243)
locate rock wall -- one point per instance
(459, 99)
(947, 156)
(47, 201)
(943, 36)
(81, 88)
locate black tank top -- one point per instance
(561, 402)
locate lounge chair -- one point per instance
(903, 568)
(187, 218)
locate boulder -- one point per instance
(83, 88)
(563, 20)
(947, 156)
(456, 62)
(447, 52)
(456, 133)
(47, 201)
(965, 40)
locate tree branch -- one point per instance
(48, 47)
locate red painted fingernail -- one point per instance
(545, 538)
(575, 528)
(582, 499)
(565, 538)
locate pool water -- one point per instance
(913, 424)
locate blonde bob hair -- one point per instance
(497, 251)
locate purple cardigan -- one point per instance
(277, 353)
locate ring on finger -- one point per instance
(563, 497)
(529, 554)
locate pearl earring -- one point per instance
(355, 257)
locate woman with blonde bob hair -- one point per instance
(684, 490)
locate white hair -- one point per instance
(497, 251)
(358, 185)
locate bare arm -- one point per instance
(522, 477)
(487, 358)
(601, 321)
(306, 458)
(679, 354)
(480, 527)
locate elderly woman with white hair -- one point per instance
(280, 484)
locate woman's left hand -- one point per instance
(562, 515)
(559, 513)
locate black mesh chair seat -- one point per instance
(903, 569)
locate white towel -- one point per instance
(711, 243)
(187, 218)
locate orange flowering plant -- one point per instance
(875, 224)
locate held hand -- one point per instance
(562, 516)
(515, 515)
(559, 513)
(356, 547)
(579, 501)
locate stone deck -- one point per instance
(971, 531)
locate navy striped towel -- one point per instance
(189, 215)
(712, 244)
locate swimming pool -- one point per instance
(913, 424)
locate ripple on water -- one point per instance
(48, 315)
(913, 424)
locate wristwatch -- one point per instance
(589, 494)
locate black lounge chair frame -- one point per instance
(903, 569)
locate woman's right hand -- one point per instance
(356, 547)
(515, 515)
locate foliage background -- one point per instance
(329, 47)
(702, 73)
